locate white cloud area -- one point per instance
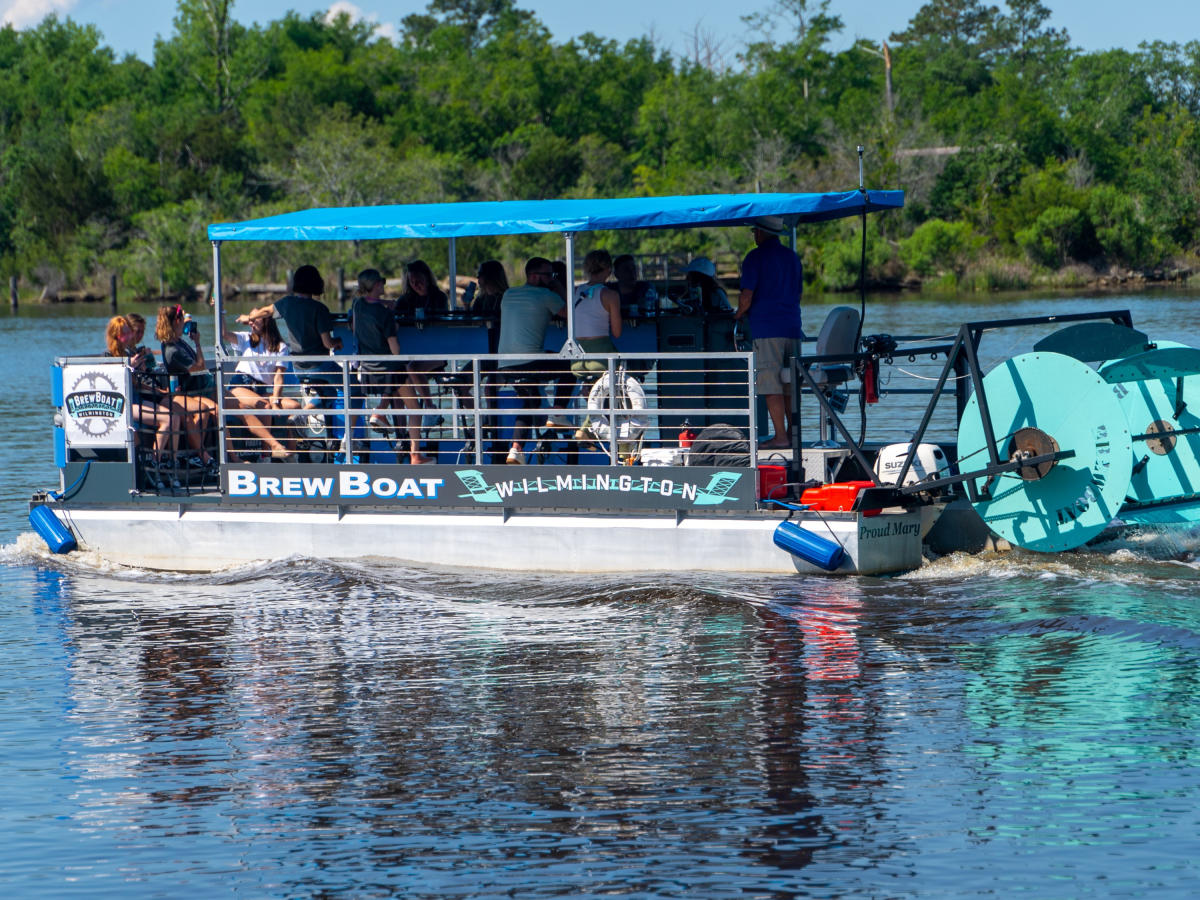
(23, 13)
(386, 30)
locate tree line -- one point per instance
(1025, 160)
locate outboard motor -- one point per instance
(930, 462)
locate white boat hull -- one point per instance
(206, 540)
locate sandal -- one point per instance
(380, 424)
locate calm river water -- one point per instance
(990, 725)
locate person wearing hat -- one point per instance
(772, 280)
(705, 293)
(309, 322)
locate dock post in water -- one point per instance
(112, 291)
(12, 291)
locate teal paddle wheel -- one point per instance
(1116, 441)
(1043, 404)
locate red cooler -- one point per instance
(837, 497)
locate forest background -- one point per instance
(1026, 161)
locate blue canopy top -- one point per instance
(455, 220)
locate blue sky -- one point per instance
(131, 25)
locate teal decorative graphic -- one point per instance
(634, 489)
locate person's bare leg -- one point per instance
(777, 410)
(412, 426)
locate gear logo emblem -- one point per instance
(95, 404)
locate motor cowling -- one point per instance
(930, 461)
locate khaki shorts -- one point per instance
(770, 356)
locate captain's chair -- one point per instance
(839, 336)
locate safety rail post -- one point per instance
(348, 421)
(613, 459)
(476, 396)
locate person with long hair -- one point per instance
(375, 331)
(493, 282)
(257, 383)
(421, 291)
(597, 313)
(145, 406)
(187, 362)
(421, 299)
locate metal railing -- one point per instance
(381, 408)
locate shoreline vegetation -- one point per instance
(1028, 164)
(1005, 279)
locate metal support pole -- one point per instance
(571, 349)
(477, 394)
(112, 292)
(349, 420)
(855, 450)
(613, 458)
(453, 292)
(218, 302)
(341, 287)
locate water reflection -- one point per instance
(317, 728)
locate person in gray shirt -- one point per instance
(525, 313)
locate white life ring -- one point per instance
(633, 397)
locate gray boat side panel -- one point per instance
(201, 540)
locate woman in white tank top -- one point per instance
(597, 313)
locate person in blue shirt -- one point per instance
(772, 280)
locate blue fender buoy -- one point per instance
(56, 535)
(812, 548)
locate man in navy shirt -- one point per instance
(772, 280)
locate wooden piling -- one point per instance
(112, 292)
(12, 291)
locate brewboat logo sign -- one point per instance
(95, 406)
(493, 487)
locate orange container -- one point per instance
(837, 497)
(771, 481)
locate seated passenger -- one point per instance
(421, 299)
(527, 310)
(310, 326)
(138, 323)
(149, 404)
(187, 363)
(374, 328)
(257, 383)
(597, 314)
(704, 293)
(421, 292)
(558, 283)
(636, 296)
(493, 282)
